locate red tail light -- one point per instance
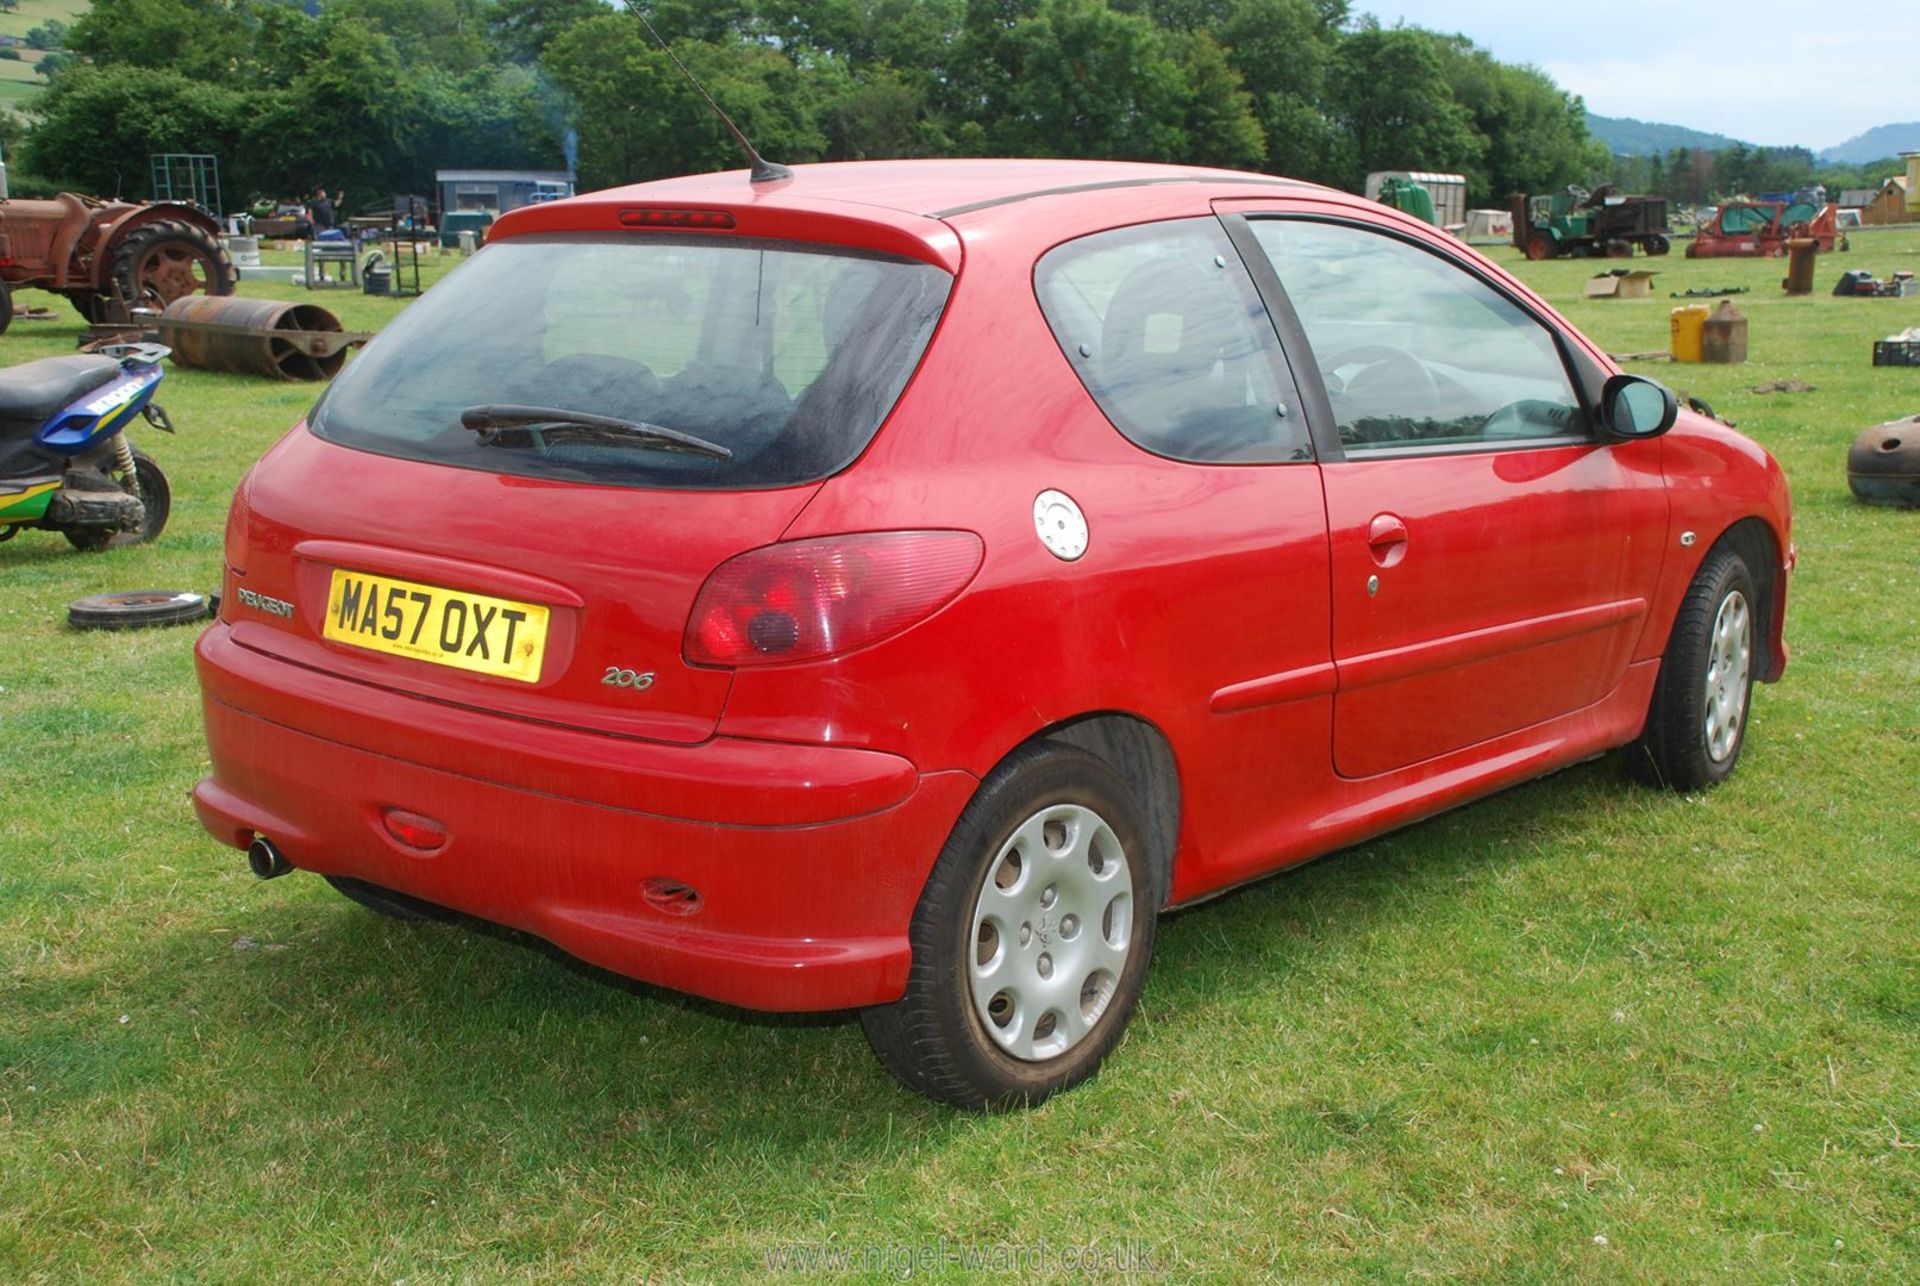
(665, 218)
(815, 598)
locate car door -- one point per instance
(1491, 557)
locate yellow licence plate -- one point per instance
(446, 627)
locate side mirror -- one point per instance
(1633, 407)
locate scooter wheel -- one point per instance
(156, 498)
(136, 608)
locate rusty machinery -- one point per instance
(110, 256)
(257, 337)
(267, 337)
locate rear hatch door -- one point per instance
(677, 402)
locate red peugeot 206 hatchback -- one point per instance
(892, 586)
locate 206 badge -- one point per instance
(637, 680)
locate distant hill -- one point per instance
(1879, 142)
(1625, 136)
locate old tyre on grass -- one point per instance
(1697, 722)
(1031, 940)
(397, 906)
(132, 609)
(169, 259)
(156, 499)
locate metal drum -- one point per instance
(1883, 466)
(256, 337)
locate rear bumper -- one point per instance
(807, 880)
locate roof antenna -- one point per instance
(763, 171)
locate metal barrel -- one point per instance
(252, 337)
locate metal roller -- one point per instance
(257, 337)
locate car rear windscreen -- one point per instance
(789, 357)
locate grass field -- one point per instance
(1578, 1031)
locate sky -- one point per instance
(1772, 72)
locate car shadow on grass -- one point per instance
(1413, 878)
(289, 1009)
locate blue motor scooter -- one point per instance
(66, 463)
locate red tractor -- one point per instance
(109, 256)
(1763, 228)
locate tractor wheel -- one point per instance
(1619, 249)
(1656, 245)
(166, 260)
(6, 307)
(90, 304)
(1539, 246)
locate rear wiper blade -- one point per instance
(504, 426)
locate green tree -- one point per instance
(349, 118)
(1533, 136)
(54, 63)
(97, 125)
(1395, 109)
(447, 34)
(204, 39)
(51, 34)
(638, 118)
(1283, 52)
(883, 115)
(1071, 78)
(1219, 121)
(508, 116)
(523, 29)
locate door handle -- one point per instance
(1387, 539)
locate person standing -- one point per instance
(320, 212)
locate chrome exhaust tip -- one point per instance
(266, 860)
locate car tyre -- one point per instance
(1697, 722)
(395, 906)
(1031, 939)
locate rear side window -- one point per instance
(789, 357)
(1165, 329)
